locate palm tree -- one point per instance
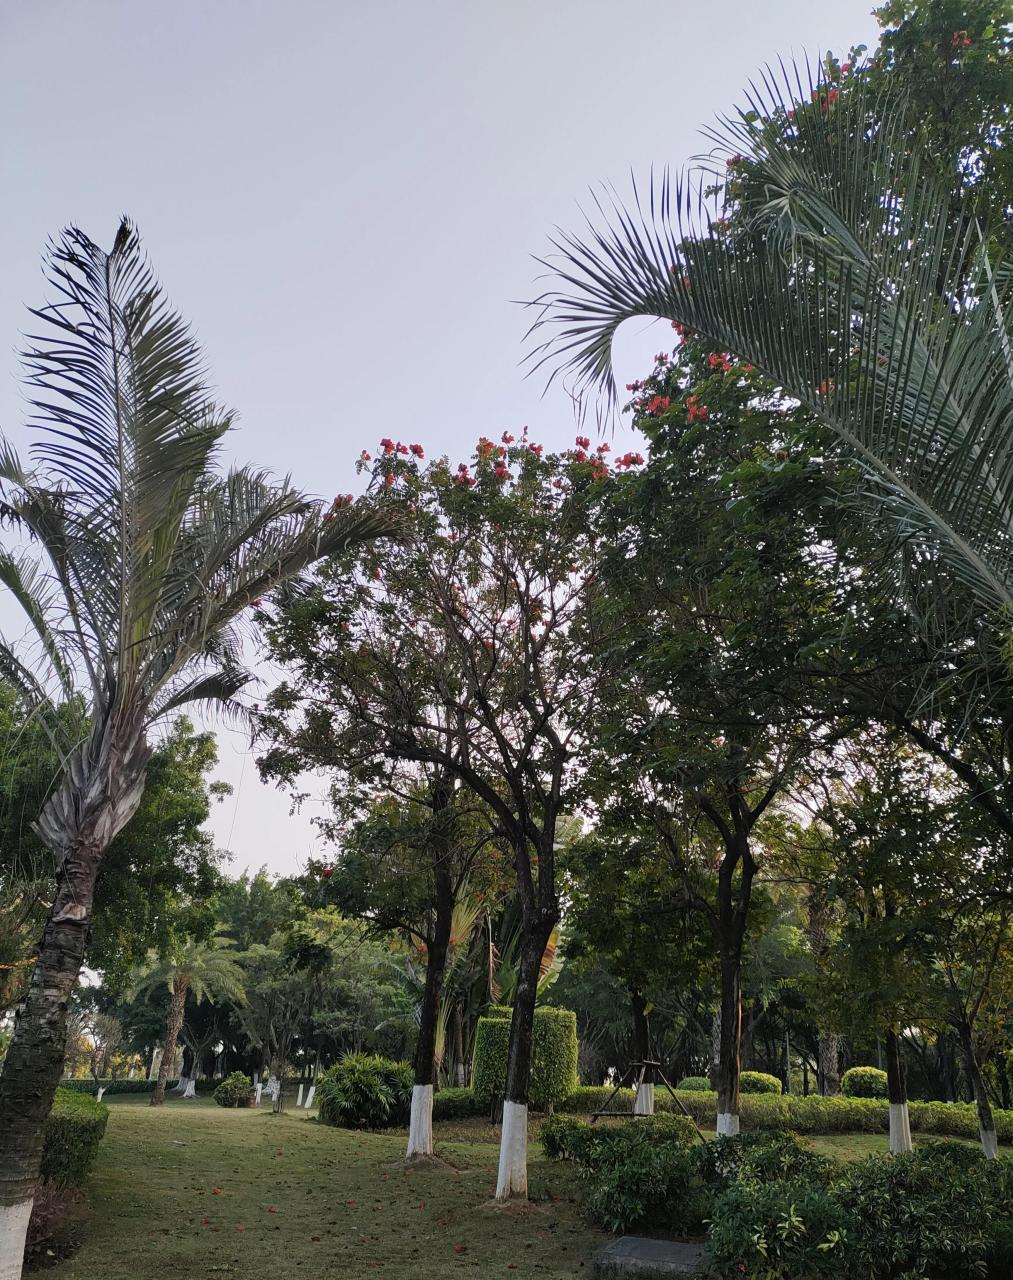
(202, 969)
(840, 266)
(141, 557)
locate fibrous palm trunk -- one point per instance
(173, 1023)
(100, 791)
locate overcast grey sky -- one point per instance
(345, 197)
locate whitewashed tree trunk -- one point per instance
(420, 1125)
(989, 1142)
(260, 1090)
(513, 1153)
(98, 1095)
(191, 1088)
(643, 1103)
(13, 1233)
(298, 1097)
(309, 1096)
(900, 1128)
(728, 1124)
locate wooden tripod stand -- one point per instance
(647, 1071)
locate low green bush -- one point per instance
(777, 1230)
(233, 1089)
(72, 1133)
(758, 1082)
(456, 1104)
(936, 1212)
(365, 1091)
(695, 1084)
(864, 1082)
(763, 1157)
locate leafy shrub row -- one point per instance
(73, 1130)
(758, 1082)
(233, 1089)
(457, 1104)
(365, 1091)
(553, 1056)
(777, 1210)
(89, 1087)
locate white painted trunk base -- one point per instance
(728, 1124)
(98, 1096)
(309, 1096)
(13, 1232)
(643, 1103)
(191, 1088)
(900, 1129)
(260, 1090)
(298, 1097)
(989, 1142)
(420, 1126)
(181, 1085)
(512, 1183)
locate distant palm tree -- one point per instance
(204, 970)
(835, 262)
(141, 556)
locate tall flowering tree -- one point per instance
(466, 651)
(141, 557)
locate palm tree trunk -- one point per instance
(35, 1056)
(173, 1022)
(829, 1064)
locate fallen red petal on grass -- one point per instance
(314, 1239)
(351, 1202)
(272, 1209)
(240, 1227)
(460, 1248)
(216, 1191)
(204, 1221)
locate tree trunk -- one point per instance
(986, 1120)
(420, 1127)
(896, 1087)
(643, 1103)
(173, 1022)
(829, 1064)
(512, 1181)
(730, 1042)
(460, 1067)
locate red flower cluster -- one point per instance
(661, 357)
(635, 386)
(485, 447)
(507, 438)
(580, 455)
(366, 457)
(683, 330)
(826, 100)
(343, 500)
(733, 161)
(630, 460)
(657, 405)
(722, 362)
(583, 442)
(387, 445)
(463, 477)
(845, 68)
(536, 449)
(961, 40)
(604, 447)
(501, 472)
(696, 412)
(417, 450)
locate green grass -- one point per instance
(345, 1203)
(154, 1182)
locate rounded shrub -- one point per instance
(365, 1091)
(863, 1082)
(553, 1058)
(72, 1133)
(694, 1084)
(758, 1082)
(233, 1089)
(778, 1230)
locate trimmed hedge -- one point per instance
(500, 1011)
(456, 1104)
(90, 1088)
(553, 1057)
(695, 1084)
(758, 1082)
(73, 1130)
(864, 1082)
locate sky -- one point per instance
(345, 199)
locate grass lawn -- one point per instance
(300, 1199)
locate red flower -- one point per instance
(604, 447)
(205, 1221)
(366, 457)
(256, 604)
(658, 405)
(961, 40)
(845, 68)
(216, 1191)
(387, 444)
(376, 572)
(507, 438)
(326, 872)
(402, 448)
(501, 472)
(417, 450)
(536, 449)
(580, 455)
(583, 442)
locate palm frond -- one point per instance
(849, 276)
